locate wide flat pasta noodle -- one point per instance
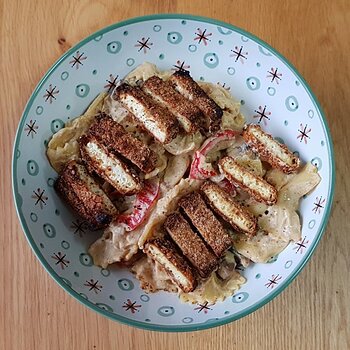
(221, 96)
(281, 222)
(176, 169)
(115, 109)
(214, 289)
(245, 157)
(231, 118)
(152, 276)
(115, 245)
(162, 160)
(145, 71)
(259, 248)
(232, 122)
(184, 143)
(165, 205)
(299, 185)
(278, 178)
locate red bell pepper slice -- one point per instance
(200, 169)
(143, 203)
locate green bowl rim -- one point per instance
(158, 327)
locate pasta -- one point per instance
(278, 224)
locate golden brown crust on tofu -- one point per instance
(108, 166)
(231, 211)
(117, 140)
(188, 114)
(164, 252)
(191, 245)
(256, 186)
(85, 196)
(269, 150)
(206, 223)
(187, 87)
(155, 119)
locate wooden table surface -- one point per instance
(313, 312)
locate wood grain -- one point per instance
(313, 313)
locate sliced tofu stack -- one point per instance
(189, 116)
(191, 245)
(206, 223)
(231, 211)
(187, 87)
(256, 186)
(85, 196)
(164, 252)
(155, 119)
(108, 166)
(269, 150)
(118, 141)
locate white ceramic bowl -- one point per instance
(271, 92)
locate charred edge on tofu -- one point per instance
(206, 223)
(120, 142)
(187, 87)
(188, 114)
(155, 119)
(269, 150)
(191, 244)
(85, 196)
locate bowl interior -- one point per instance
(271, 92)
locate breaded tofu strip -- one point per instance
(189, 116)
(157, 120)
(108, 166)
(206, 223)
(164, 252)
(269, 150)
(191, 245)
(256, 186)
(187, 87)
(117, 140)
(85, 196)
(231, 211)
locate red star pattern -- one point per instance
(144, 44)
(111, 83)
(274, 75)
(319, 205)
(60, 260)
(239, 54)
(262, 114)
(31, 128)
(39, 197)
(204, 307)
(304, 133)
(77, 60)
(50, 93)
(273, 281)
(202, 36)
(93, 285)
(301, 245)
(79, 227)
(181, 66)
(131, 306)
